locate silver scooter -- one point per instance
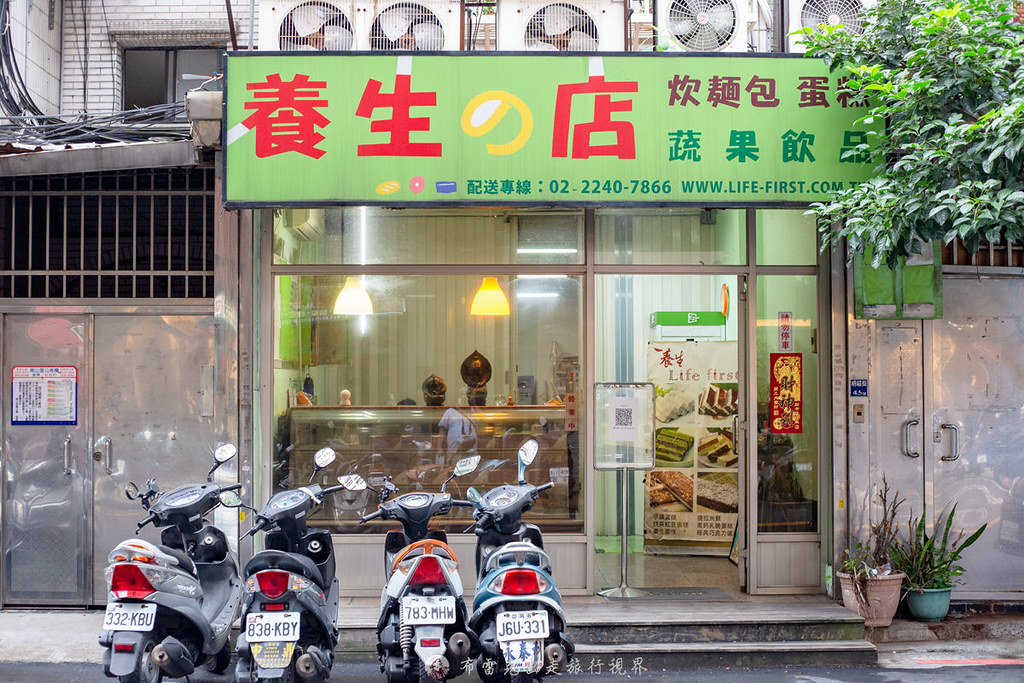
(171, 606)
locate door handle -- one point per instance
(67, 454)
(735, 432)
(954, 446)
(107, 456)
(905, 429)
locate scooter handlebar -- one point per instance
(151, 518)
(373, 515)
(545, 487)
(233, 487)
(463, 503)
(260, 523)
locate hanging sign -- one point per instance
(785, 331)
(786, 393)
(693, 492)
(44, 395)
(525, 129)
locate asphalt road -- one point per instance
(12, 672)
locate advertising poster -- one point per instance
(693, 491)
(786, 394)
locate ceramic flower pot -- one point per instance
(930, 604)
(882, 597)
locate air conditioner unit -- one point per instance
(812, 13)
(302, 224)
(406, 25)
(546, 25)
(705, 25)
(315, 25)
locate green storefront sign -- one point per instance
(504, 129)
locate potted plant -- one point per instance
(931, 565)
(870, 585)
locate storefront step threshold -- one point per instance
(677, 656)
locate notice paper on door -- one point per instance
(44, 395)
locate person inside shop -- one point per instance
(459, 433)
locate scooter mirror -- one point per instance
(230, 499)
(474, 495)
(352, 482)
(324, 457)
(225, 452)
(528, 451)
(466, 465)
(131, 490)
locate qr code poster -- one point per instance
(625, 425)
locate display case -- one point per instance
(418, 445)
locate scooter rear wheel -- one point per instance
(146, 671)
(218, 664)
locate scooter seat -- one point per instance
(289, 562)
(184, 561)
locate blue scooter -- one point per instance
(517, 610)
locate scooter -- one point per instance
(290, 596)
(171, 606)
(422, 633)
(517, 610)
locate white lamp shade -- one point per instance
(353, 299)
(489, 299)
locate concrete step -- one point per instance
(675, 656)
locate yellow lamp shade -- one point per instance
(489, 299)
(353, 299)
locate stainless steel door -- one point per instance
(47, 483)
(974, 400)
(153, 417)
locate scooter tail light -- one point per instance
(272, 583)
(520, 582)
(128, 581)
(428, 572)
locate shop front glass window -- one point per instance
(364, 235)
(787, 400)
(786, 237)
(677, 236)
(406, 391)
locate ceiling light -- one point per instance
(353, 299)
(489, 299)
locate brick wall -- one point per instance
(97, 33)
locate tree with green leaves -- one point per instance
(948, 80)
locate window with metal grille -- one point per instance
(139, 234)
(989, 255)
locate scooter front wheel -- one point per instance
(146, 671)
(218, 663)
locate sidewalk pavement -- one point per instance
(55, 636)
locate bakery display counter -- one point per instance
(417, 446)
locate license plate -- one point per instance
(418, 610)
(129, 616)
(522, 625)
(264, 627)
(523, 656)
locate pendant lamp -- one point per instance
(489, 299)
(353, 299)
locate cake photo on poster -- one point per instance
(718, 492)
(671, 490)
(715, 449)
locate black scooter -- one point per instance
(290, 596)
(171, 605)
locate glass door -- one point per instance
(681, 332)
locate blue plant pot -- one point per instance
(930, 605)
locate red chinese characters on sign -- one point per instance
(667, 360)
(401, 123)
(624, 146)
(785, 331)
(286, 115)
(786, 409)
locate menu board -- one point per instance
(693, 491)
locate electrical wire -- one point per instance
(23, 123)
